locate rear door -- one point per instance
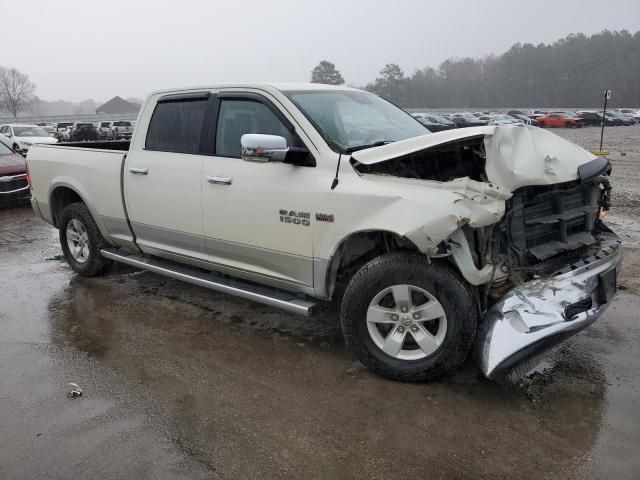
(163, 177)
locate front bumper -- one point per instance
(14, 188)
(541, 313)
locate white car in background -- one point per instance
(497, 119)
(21, 137)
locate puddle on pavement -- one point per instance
(241, 383)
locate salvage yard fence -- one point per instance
(91, 117)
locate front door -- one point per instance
(257, 215)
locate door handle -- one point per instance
(220, 180)
(139, 171)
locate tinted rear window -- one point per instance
(121, 124)
(175, 126)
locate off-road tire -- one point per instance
(95, 263)
(439, 279)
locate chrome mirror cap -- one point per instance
(257, 147)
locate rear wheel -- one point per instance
(81, 240)
(407, 319)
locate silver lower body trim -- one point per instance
(275, 298)
(536, 315)
(36, 209)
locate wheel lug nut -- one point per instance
(404, 309)
(416, 316)
(394, 317)
(414, 328)
(401, 329)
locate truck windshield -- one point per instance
(350, 120)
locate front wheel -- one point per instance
(81, 240)
(408, 320)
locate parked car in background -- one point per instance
(104, 131)
(466, 119)
(613, 120)
(21, 137)
(121, 130)
(498, 119)
(523, 118)
(14, 181)
(66, 134)
(592, 118)
(624, 119)
(444, 121)
(629, 112)
(432, 122)
(83, 131)
(60, 127)
(50, 130)
(536, 113)
(559, 119)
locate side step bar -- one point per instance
(275, 298)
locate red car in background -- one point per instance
(560, 119)
(14, 181)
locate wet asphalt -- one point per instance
(181, 382)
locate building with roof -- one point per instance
(117, 105)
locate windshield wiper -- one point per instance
(379, 143)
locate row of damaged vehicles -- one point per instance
(437, 122)
(22, 136)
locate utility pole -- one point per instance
(607, 96)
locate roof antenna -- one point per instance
(334, 184)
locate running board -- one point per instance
(288, 301)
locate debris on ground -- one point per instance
(75, 390)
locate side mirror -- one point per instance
(257, 147)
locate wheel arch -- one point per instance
(352, 252)
(63, 192)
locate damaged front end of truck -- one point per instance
(524, 227)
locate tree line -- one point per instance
(571, 72)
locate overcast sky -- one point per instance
(79, 49)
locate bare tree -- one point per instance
(17, 92)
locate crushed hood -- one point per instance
(516, 155)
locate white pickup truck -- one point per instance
(488, 239)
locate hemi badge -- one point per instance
(324, 217)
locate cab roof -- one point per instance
(280, 86)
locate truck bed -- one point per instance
(92, 171)
(121, 145)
